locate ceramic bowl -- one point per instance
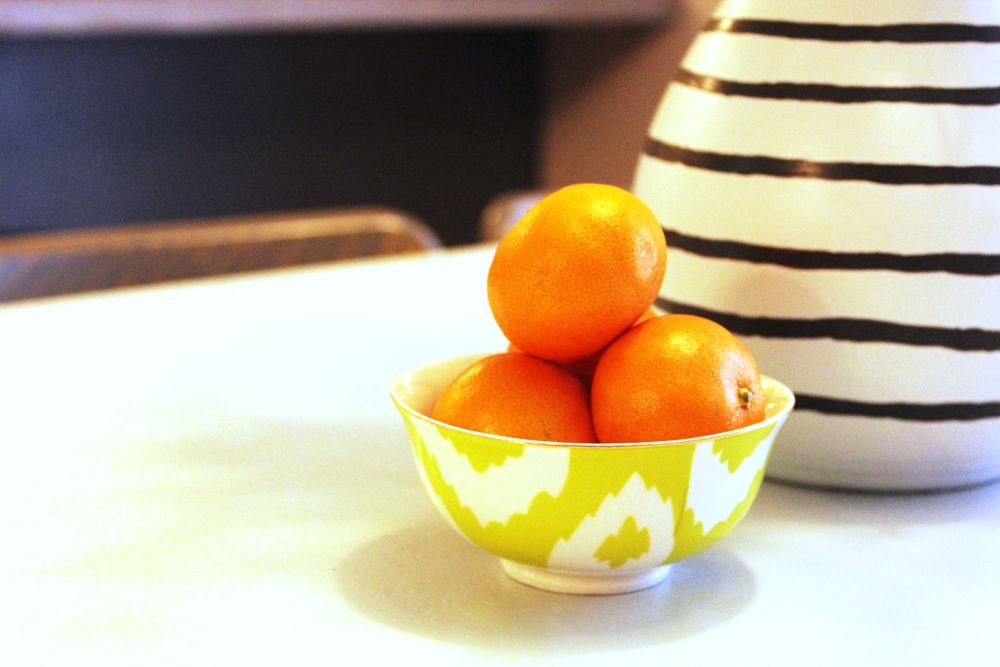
(583, 517)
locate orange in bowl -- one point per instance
(578, 269)
(674, 377)
(519, 396)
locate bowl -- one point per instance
(583, 517)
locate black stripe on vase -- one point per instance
(971, 264)
(923, 412)
(846, 329)
(907, 33)
(874, 172)
(820, 92)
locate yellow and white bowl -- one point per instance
(584, 517)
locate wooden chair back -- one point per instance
(505, 209)
(50, 263)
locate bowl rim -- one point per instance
(767, 382)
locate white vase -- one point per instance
(828, 175)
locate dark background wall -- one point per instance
(106, 131)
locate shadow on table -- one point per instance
(784, 502)
(429, 581)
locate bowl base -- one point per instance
(584, 583)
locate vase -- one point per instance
(828, 178)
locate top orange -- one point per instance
(576, 271)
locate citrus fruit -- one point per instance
(518, 396)
(672, 377)
(576, 271)
(584, 368)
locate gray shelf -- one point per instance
(84, 17)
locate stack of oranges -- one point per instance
(572, 287)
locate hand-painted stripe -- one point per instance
(971, 264)
(924, 412)
(820, 92)
(845, 328)
(874, 172)
(909, 33)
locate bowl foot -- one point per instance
(584, 583)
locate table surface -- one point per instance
(212, 473)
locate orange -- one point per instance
(518, 396)
(676, 376)
(576, 271)
(584, 368)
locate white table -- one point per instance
(212, 473)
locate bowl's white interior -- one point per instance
(419, 388)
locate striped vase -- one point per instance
(828, 175)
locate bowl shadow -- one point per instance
(784, 502)
(427, 580)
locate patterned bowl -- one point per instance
(583, 517)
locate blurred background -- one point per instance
(115, 113)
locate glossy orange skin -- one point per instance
(673, 377)
(576, 271)
(584, 368)
(518, 396)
